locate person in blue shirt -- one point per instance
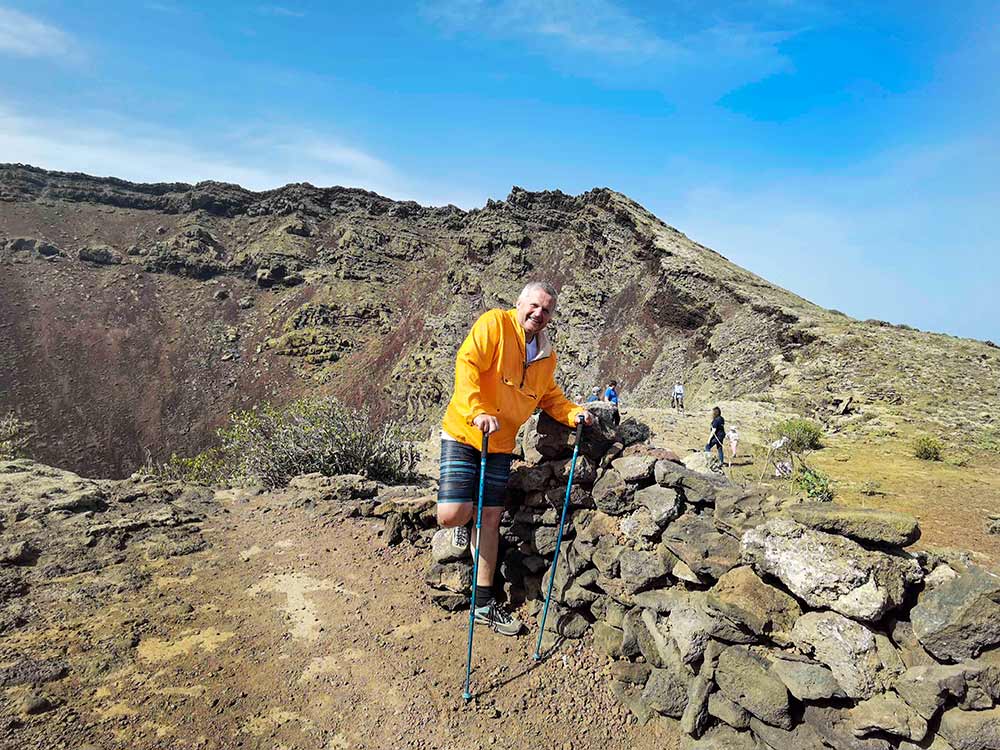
(595, 395)
(611, 396)
(718, 433)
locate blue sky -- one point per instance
(847, 151)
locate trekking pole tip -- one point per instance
(467, 696)
(536, 656)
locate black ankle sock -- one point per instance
(484, 595)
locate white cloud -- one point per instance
(25, 36)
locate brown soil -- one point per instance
(295, 630)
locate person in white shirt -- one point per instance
(677, 399)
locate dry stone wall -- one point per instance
(756, 621)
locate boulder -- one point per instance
(551, 439)
(584, 473)
(738, 510)
(971, 730)
(696, 717)
(666, 692)
(725, 710)
(721, 737)
(631, 673)
(961, 617)
(743, 678)
(973, 685)
(608, 640)
(530, 478)
(742, 596)
(640, 569)
(631, 696)
(882, 527)
(442, 550)
(694, 540)
(635, 469)
(703, 462)
(692, 624)
(612, 495)
(829, 571)
(834, 726)
(807, 680)
(862, 662)
(663, 503)
(889, 714)
(638, 527)
(455, 577)
(800, 737)
(696, 488)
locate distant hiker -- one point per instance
(677, 398)
(595, 395)
(718, 433)
(611, 396)
(505, 368)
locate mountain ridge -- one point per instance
(173, 304)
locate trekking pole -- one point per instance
(467, 694)
(562, 521)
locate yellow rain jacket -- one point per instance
(491, 377)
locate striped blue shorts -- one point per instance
(459, 477)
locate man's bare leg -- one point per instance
(491, 541)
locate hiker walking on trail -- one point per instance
(595, 395)
(718, 433)
(611, 396)
(505, 368)
(677, 398)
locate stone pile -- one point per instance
(756, 621)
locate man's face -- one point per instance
(534, 310)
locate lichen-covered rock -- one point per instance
(834, 726)
(612, 495)
(886, 713)
(455, 577)
(743, 678)
(641, 569)
(639, 527)
(725, 710)
(692, 624)
(807, 680)
(800, 737)
(442, 549)
(973, 685)
(960, 618)
(663, 503)
(721, 737)
(873, 525)
(694, 540)
(864, 663)
(765, 610)
(666, 692)
(635, 469)
(825, 570)
(971, 730)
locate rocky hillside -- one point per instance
(134, 318)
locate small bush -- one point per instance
(814, 483)
(803, 435)
(871, 487)
(927, 448)
(272, 444)
(15, 434)
(208, 468)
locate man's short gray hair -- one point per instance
(544, 286)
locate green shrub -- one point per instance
(803, 435)
(927, 448)
(271, 444)
(871, 487)
(208, 468)
(15, 434)
(814, 483)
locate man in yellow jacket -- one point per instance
(504, 370)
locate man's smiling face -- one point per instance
(534, 311)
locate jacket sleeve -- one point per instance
(557, 406)
(475, 356)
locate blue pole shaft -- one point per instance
(555, 557)
(467, 694)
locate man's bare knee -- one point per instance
(454, 514)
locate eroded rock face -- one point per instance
(961, 617)
(830, 571)
(766, 611)
(971, 730)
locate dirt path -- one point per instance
(295, 631)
